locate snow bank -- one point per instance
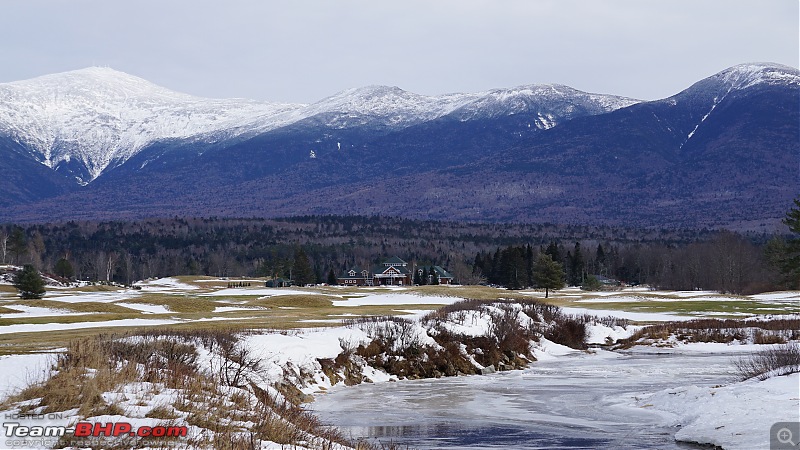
(26, 311)
(630, 315)
(298, 352)
(19, 371)
(738, 416)
(36, 328)
(396, 299)
(166, 285)
(599, 334)
(146, 308)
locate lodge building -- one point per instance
(392, 272)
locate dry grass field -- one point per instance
(192, 302)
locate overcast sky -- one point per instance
(301, 51)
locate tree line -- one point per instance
(726, 262)
(318, 248)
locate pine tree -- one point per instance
(417, 278)
(548, 274)
(332, 278)
(512, 271)
(63, 268)
(29, 283)
(576, 266)
(301, 269)
(600, 257)
(554, 252)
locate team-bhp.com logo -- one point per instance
(93, 430)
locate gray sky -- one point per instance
(305, 50)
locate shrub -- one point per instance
(569, 331)
(778, 360)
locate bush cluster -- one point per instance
(761, 331)
(773, 361)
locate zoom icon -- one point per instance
(784, 435)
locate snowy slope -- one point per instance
(550, 103)
(86, 121)
(744, 76)
(395, 108)
(102, 117)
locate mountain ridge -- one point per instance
(722, 152)
(102, 117)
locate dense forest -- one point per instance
(503, 254)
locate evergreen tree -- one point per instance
(600, 257)
(477, 266)
(332, 278)
(554, 252)
(495, 276)
(548, 274)
(64, 268)
(301, 269)
(790, 260)
(576, 266)
(512, 271)
(417, 278)
(29, 283)
(529, 265)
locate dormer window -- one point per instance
(352, 273)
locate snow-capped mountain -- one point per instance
(549, 104)
(744, 76)
(723, 152)
(88, 121)
(706, 95)
(91, 119)
(395, 108)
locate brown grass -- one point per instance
(293, 301)
(764, 331)
(82, 307)
(239, 417)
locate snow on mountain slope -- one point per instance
(102, 117)
(737, 79)
(707, 94)
(552, 103)
(86, 121)
(388, 106)
(743, 76)
(395, 108)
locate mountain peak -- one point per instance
(743, 76)
(91, 78)
(84, 121)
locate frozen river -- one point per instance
(575, 401)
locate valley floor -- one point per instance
(649, 396)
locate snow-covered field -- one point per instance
(643, 397)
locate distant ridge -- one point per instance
(97, 143)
